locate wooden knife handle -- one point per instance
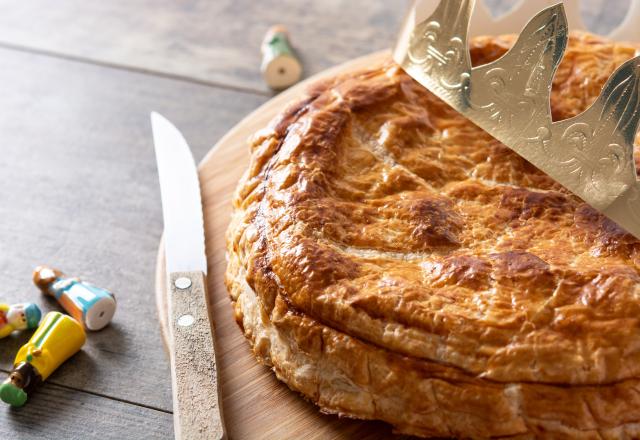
(197, 409)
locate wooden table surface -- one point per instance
(78, 181)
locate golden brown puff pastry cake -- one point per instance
(392, 261)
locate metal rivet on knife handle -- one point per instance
(186, 320)
(183, 283)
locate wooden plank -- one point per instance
(214, 41)
(219, 41)
(80, 191)
(59, 413)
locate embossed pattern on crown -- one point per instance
(590, 154)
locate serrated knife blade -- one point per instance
(181, 200)
(197, 411)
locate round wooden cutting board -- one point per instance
(255, 404)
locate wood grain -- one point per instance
(79, 190)
(60, 413)
(194, 379)
(218, 42)
(256, 405)
(212, 41)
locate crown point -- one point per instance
(590, 154)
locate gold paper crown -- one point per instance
(590, 154)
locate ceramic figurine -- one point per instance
(280, 67)
(18, 317)
(92, 306)
(57, 338)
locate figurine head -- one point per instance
(24, 316)
(44, 277)
(16, 379)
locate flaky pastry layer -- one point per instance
(351, 378)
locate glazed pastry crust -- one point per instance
(392, 261)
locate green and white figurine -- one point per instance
(280, 67)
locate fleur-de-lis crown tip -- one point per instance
(590, 154)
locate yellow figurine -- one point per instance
(18, 317)
(57, 339)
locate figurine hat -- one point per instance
(11, 394)
(33, 315)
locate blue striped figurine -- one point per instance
(92, 306)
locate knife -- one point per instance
(197, 410)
